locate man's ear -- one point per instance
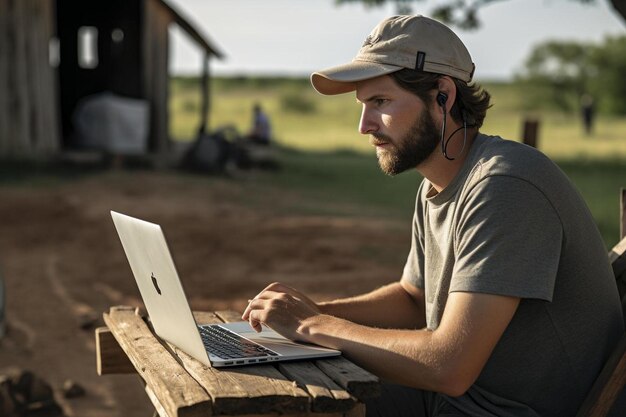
(446, 94)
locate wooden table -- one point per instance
(179, 385)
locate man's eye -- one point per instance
(380, 101)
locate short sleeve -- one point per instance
(413, 272)
(508, 240)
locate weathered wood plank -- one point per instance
(357, 381)
(326, 395)
(156, 50)
(618, 251)
(4, 76)
(10, 89)
(158, 407)
(612, 379)
(617, 257)
(250, 389)
(110, 357)
(608, 386)
(46, 114)
(20, 89)
(40, 81)
(30, 28)
(178, 393)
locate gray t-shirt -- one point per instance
(512, 224)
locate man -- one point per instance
(261, 130)
(507, 305)
(587, 113)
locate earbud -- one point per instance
(441, 99)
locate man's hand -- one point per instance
(282, 308)
(447, 359)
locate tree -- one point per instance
(464, 13)
(557, 74)
(608, 68)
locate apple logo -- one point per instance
(155, 283)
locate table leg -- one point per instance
(159, 411)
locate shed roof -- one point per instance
(195, 34)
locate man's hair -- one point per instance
(471, 99)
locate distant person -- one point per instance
(261, 131)
(587, 113)
(507, 304)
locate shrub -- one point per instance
(189, 105)
(295, 101)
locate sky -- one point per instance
(297, 37)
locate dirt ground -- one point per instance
(62, 262)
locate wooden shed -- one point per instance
(53, 53)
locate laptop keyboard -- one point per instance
(229, 345)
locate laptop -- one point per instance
(217, 345)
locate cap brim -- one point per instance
(343, 78)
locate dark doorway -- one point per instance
(100, 50)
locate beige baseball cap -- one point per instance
(398, 42)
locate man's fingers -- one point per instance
(248, 315)
(254, 313)
(276, 303)
(278, 287)
(246, 311)
(270, 287)
(255, 303)
(255, 324)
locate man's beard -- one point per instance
(410, 151)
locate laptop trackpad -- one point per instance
(272, 340)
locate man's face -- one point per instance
(399, 124)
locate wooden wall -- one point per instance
(156, 78)
(28, 96)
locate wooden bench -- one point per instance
(178, 385)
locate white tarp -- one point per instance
(112, 123)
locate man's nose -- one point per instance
(367, 124)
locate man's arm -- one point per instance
(446, 360)
(397, 305)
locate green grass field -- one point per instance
(325, 159)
